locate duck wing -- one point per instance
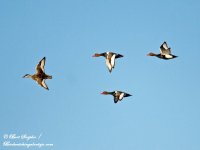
(42, 83)
(115, 99)
(113, 60)
(164, 49)
(118, 96)
(119, 56)
(121, 96)
(40, 66)
(108, 64)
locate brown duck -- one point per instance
(40, 75)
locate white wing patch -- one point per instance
(44, 84)
(168, 56)
(165, 45)
(108, 65)
(121, 96)
(113, 60)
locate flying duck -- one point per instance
(110, 59)
(40, 75)
(118, 95)
(165, 52)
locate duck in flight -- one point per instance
(165, 52)
(118, 95)
(110, 59)
(40, 75)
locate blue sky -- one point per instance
(163, 112)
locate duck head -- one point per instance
(27, 76)
(97, 55)
(151, 54)
(105, 93)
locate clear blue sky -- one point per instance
(162, 114)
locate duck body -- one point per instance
(110, 59)
(118, 95)
(166, 57)
(165, 52)
(40, 75)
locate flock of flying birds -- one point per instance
(40, 76)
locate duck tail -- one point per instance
(49, 77)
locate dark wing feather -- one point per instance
(118, 56)
(40, 66)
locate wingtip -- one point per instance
(128, 95)
(164, 42)
(115, 101)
